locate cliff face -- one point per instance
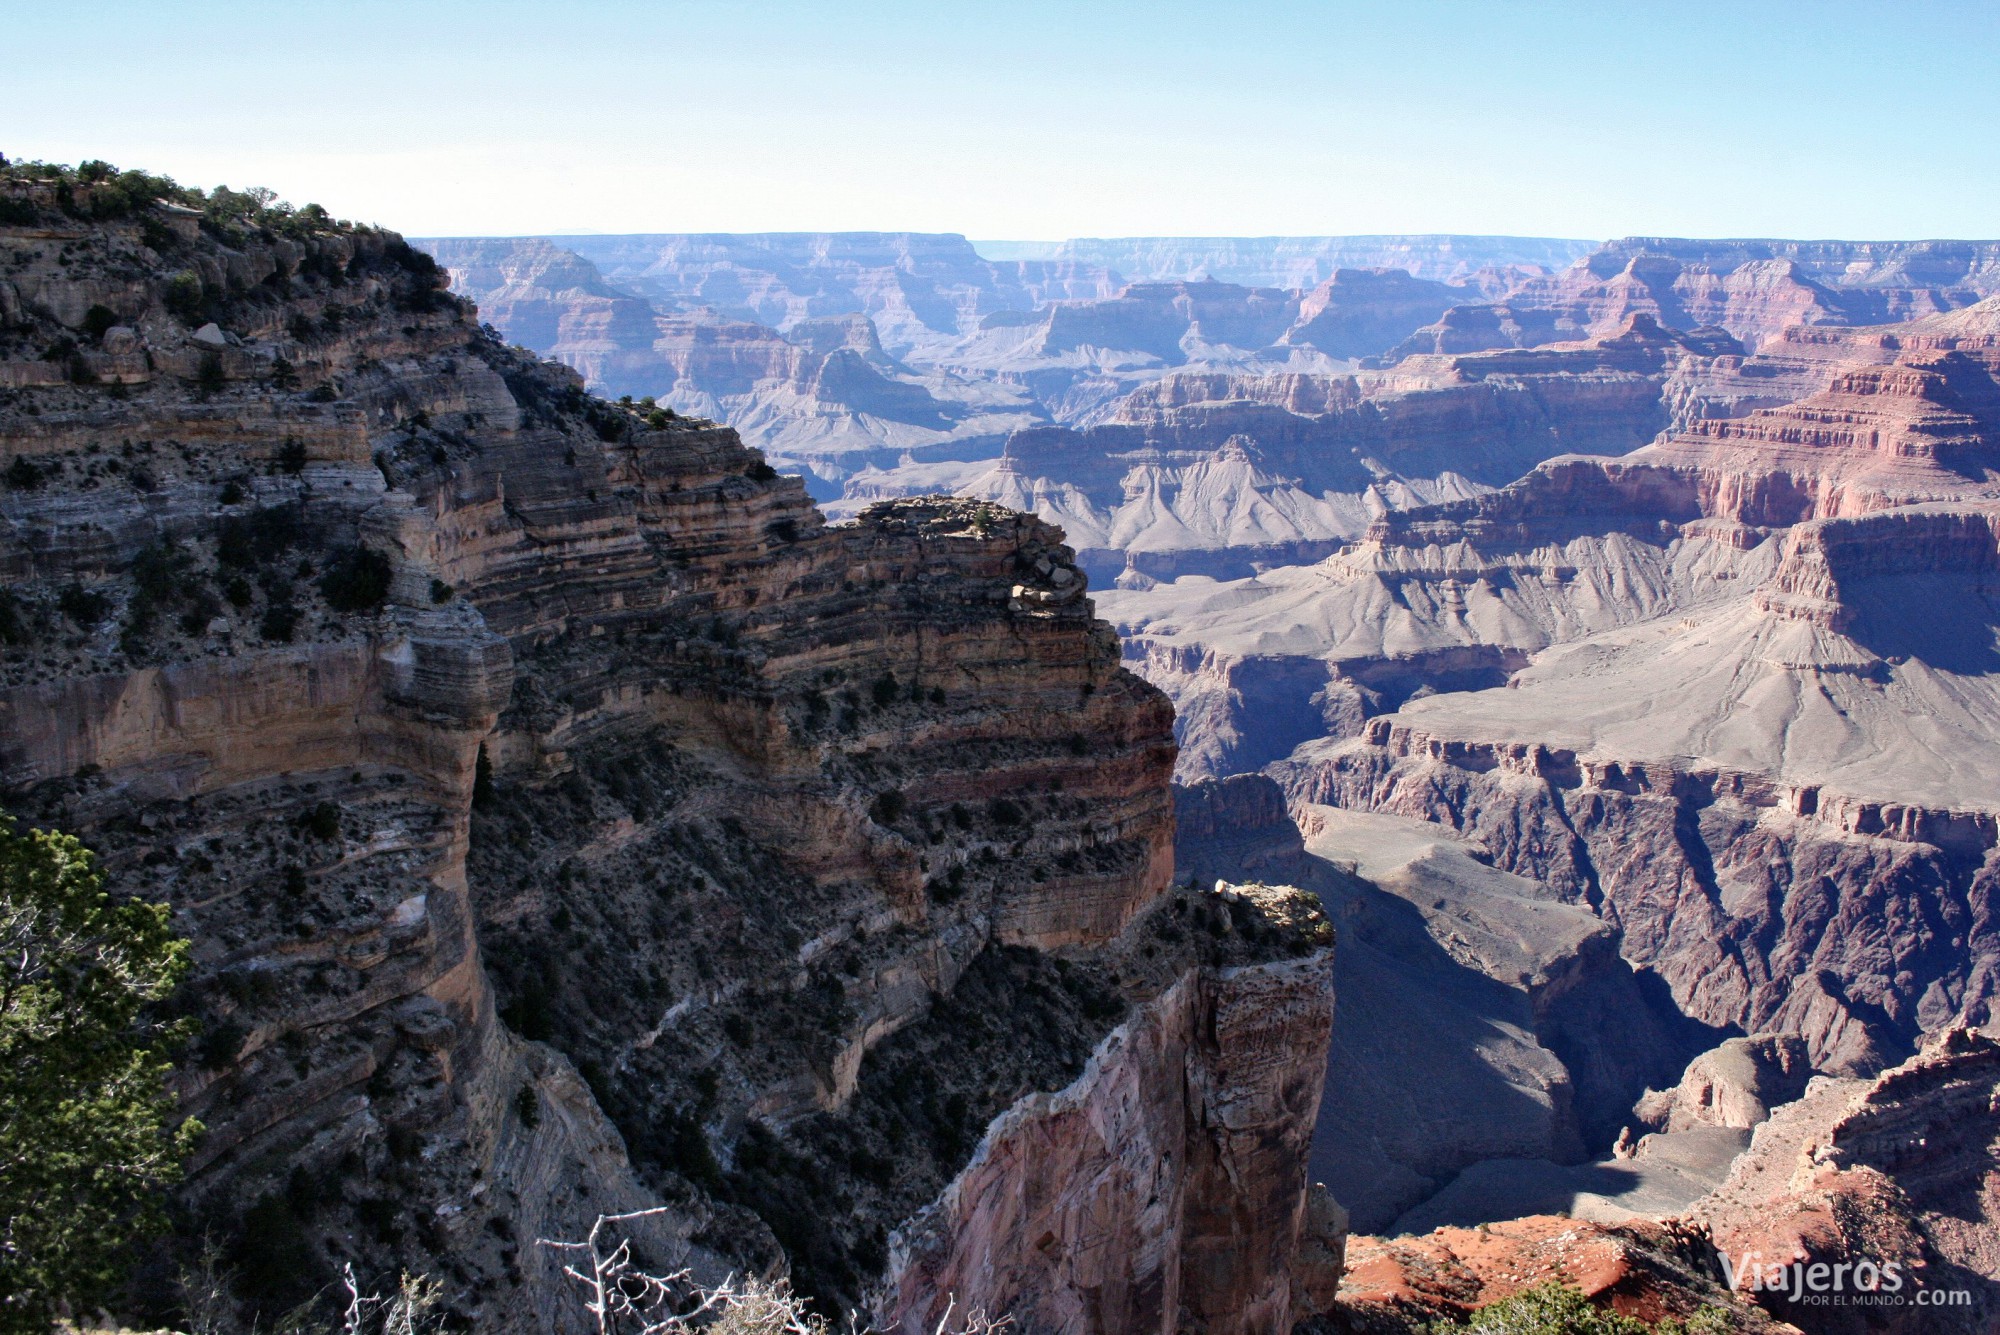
(822, 393)
(1166, 1185)
(415, 679)
(1783, 801)
(1754, 289)
(1895, 1172)
(1212, 474)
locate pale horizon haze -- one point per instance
(1039, 121)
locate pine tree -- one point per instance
(87, 1140)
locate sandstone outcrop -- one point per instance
(566, 817)
(1736, 1084)
(1645, 1271)
(1895, 1172)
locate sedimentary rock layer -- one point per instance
(1161, 1184)
(567, 819)
(1895, 1174)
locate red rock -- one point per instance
(1646, 1271)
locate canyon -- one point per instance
(567, 820)
(1136, 784)
(1727, 698)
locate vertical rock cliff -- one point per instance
(1166, 1184)
(569, 820)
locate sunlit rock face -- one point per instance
(566, 817)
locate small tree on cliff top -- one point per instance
(85, 1136)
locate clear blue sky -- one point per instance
(1034, 120)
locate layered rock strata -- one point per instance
(514, 759)
(1782, 794)
(823, 393)
(1212, 474)
(1897, 1173)
(1754, 289)
(1166, 1184)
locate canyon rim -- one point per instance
(696, 732)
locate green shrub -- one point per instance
(1554, 1308)
(85, 1113)
(184, 298)
(22, 475)
(888, 807)
(281, 621)
(164, 579)
(441, 592)
(245, 542)
(356, 580)
(291, 456)
(208, 376)
(322, 821)
(86, 607)
(759, 471)
(162, 571)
